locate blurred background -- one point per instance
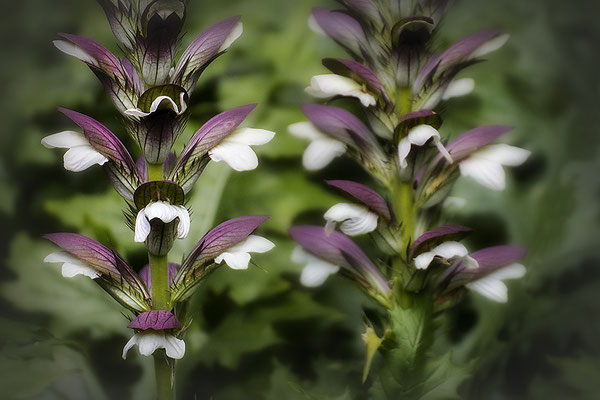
(258, 333)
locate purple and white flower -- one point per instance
(418, 136)
(330, 85)
(322, 148)
(235, 149)
(80, 156)
(482, 161)
(154, 333)
(338, 250)
(165, 212)
(315, 271)
(238, 257)
(355, 219)
(496, 264)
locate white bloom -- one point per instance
(492, 287)
(72, 265)
(329, 85)
(164, 211)
(236, 32)
(80, 156)
(237, 257)
(150, 340)
(445, 250)
(458, 88)
(322, 149)
(315, 271)
(418, 136)
(356, 219)
(485, 165)
(136, 112)
(235, 149)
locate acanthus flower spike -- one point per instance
(394, 134)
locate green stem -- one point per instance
(155, 172)
(161, 294)
(162, 371)
(405, 210)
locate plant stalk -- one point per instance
(161, 299)
(162, 371)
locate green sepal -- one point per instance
(158, 191)
(172, 91)
(372, 342)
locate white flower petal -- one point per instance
(491, 45)
(80, 158)
(356, 219)
(491, 285)
(235, 149)
(250, 136)
(149, 341)
(253, 244)
(136, 112)
(315, 273)
(403, 151)
(316, 270)
(142, 227)
(420, 134)
(65, 140)
(237, 31)
(239, 157)
(458, 88)
(306, 130)
(239, 260)
(237, 257)
(503, 154)
(183, 227)
(328, 85)
(445, 250)
(72, 266)
(162, 210)
(174, 347)
(485, 172)
(321, 152)
(75, 51)
(423, 260)
(130, 343)
(491, 288)
(511, 271)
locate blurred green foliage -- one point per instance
(257, 333)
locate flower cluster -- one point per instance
(397, 84)
(151, 89)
